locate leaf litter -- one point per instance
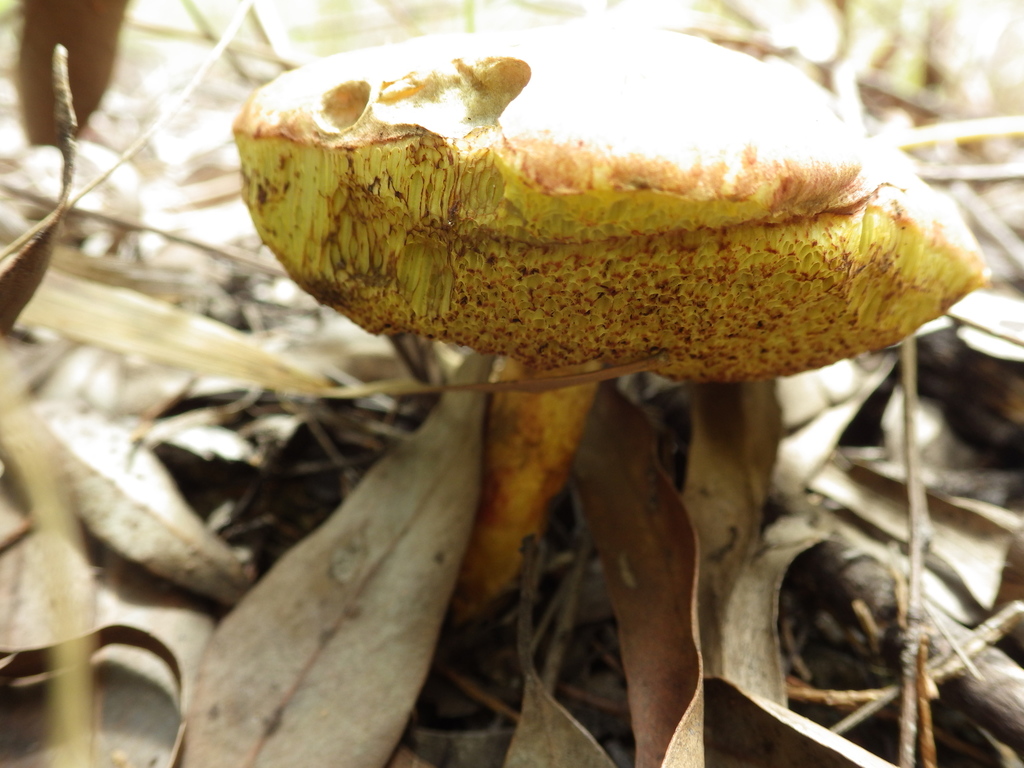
(237, 334)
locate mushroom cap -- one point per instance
(569, 195)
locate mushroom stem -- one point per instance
(529, 444)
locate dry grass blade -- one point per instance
(959, 131)
(27, 459)
(129, 322)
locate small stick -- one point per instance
(984, 635)
(920, 538)
(239, 255)
(990, 222)
(966, 660)
(565, 622)
(798, 690)
(925, 688)
(478, 694)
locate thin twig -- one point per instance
(210, 34)
(920, 538)
(990, 222)
(477, 694)
(238, 255)
(566, 618)
(948, 666)
(986, 634)
(955, 646)
(173, 108)
(925, 689)
(798, 690)
(253, 50)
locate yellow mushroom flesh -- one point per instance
(568, 196)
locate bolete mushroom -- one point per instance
(564, 196)
(570, 196)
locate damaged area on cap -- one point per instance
(736, 246)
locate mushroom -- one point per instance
(570, 195)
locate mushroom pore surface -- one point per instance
(563, 196)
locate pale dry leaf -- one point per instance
(649, 554)
(549, 737)
(140, 701)
(804, 452)
(131, 323)
(804, 396)
(125, 723)
(751, 618)
(747, 731)
(26, 588)
(993, 322)
(322, 661)
(137, 696)
(13, 523)
(406, 758)
(736, 430)
(483, 748)
(127, 499)
(975, 546)
(129, 595)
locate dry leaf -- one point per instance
(752, 615)
(736, 430)
(140, 702)
(993, 321)
(649, 555)
(137, 695)
(27, 584)
(21, 273)
(131, 323)
(747, 731)
(803, 453)
(406, 758)
(973, 545)
(547, 736)
(529, 444)
(16, 663)
(1011, 584)
(484, 748)
(128, 500)
(322, 661)
(13, 522)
